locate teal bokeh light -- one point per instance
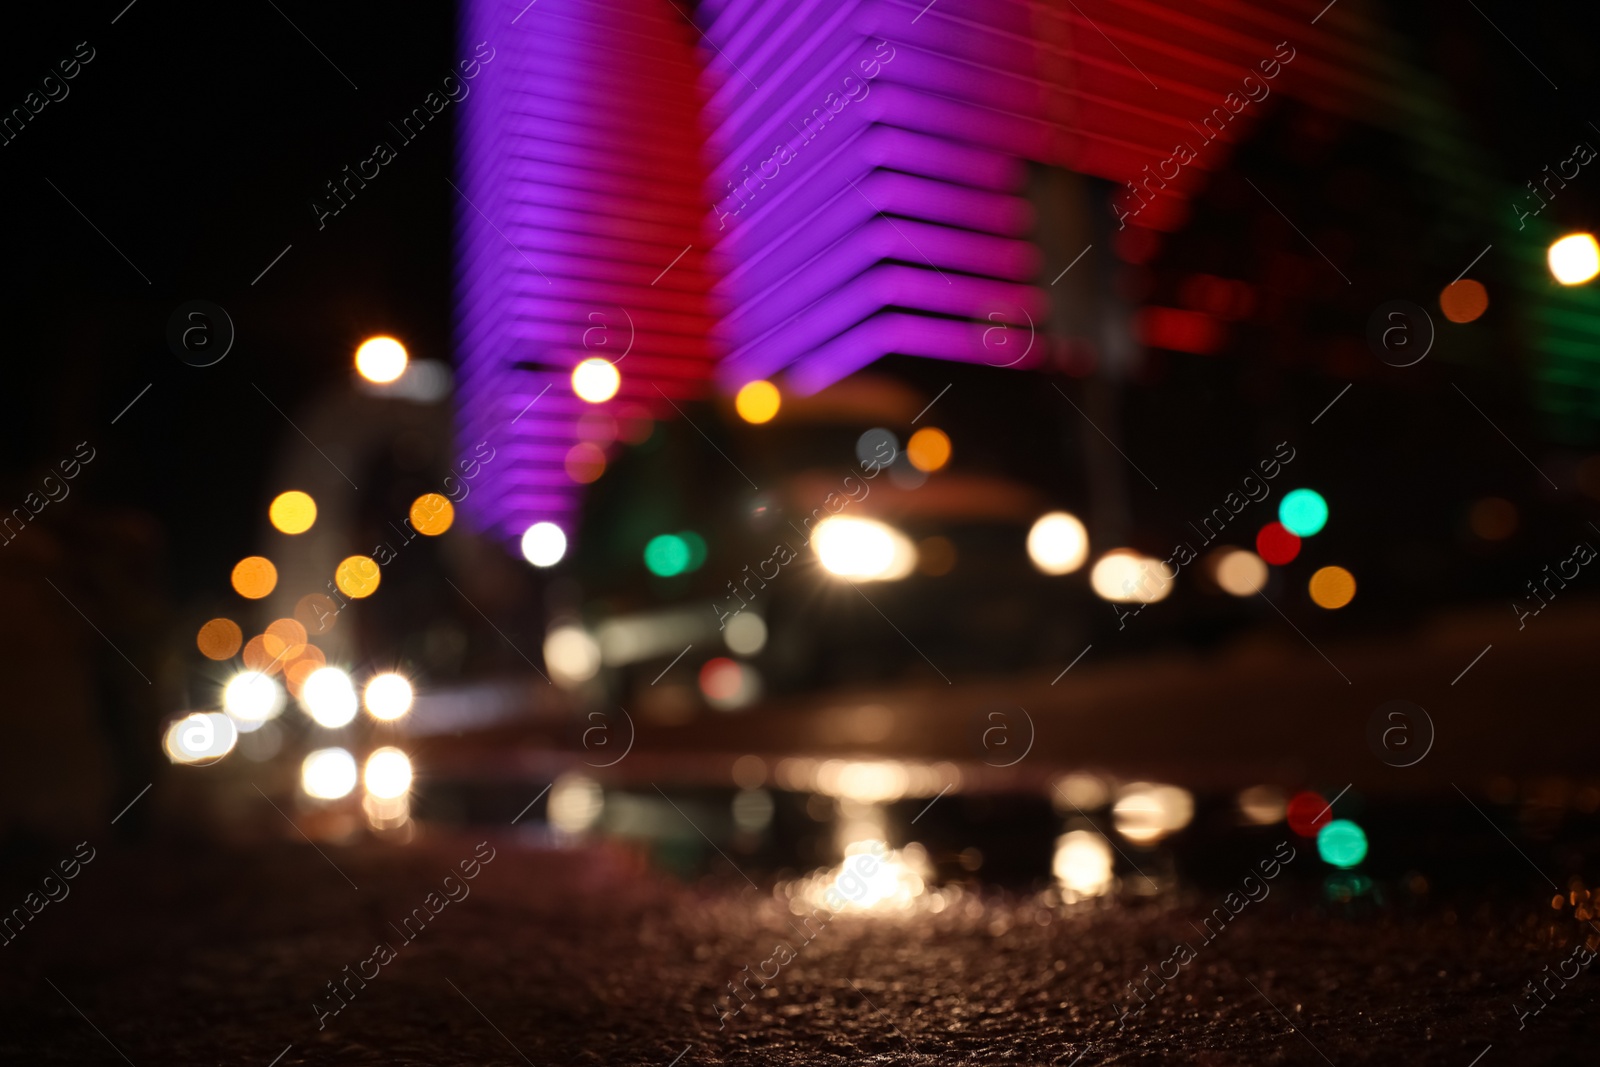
(666, 555)
(1342, 843)
(1303, 512)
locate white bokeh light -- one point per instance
(745, 634)
(1082, 864)
(1058, 543)
(328, 774)
(388, 696)
(1124, 576)
(1574, 259)
(863, 549)
(201, 738)
(329, 697)
(381, 359)
(1241, 573)
(595, 380)
(252, 697)
(388, 773)
(575, 803)
(543, 544)
(1146, 812)
(572, 656)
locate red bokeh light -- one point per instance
(1180, 331)
(721, 679)
(1277, 545)
(1308, 813)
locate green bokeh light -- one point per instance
(667, 555)
(1342, 843)
(1303, 512)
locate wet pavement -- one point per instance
(188, 954)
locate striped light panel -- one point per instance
(869, 155)
(579, 185)
(849, 174)
(861, 212)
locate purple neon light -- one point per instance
(886, 286)
(913, 336)
(871, 196)
(886, 217)
(944, 247)
(562, 250)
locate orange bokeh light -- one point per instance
(257, 658)
(432, 514)
(928, 449)
(219, 639)
(301, 667)
(585, 462)
(1332, 587)
(1464, 301)
(254, 577)
(284, 639)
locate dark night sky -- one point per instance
(196, 139)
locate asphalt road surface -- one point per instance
(183, 954)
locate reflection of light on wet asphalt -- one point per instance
(1082, 865)
(1145, 813)
(872, 878)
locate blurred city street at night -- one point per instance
(623, 531)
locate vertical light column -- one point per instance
(579, 236)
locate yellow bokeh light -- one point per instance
(1575, 259)
(219, 639)
(292, 512)
(928, 449)
(757, 402)
(1332, 587)
(357, 576)
(595, 380)
(432, 514)
(254, 577)
(381, 359)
